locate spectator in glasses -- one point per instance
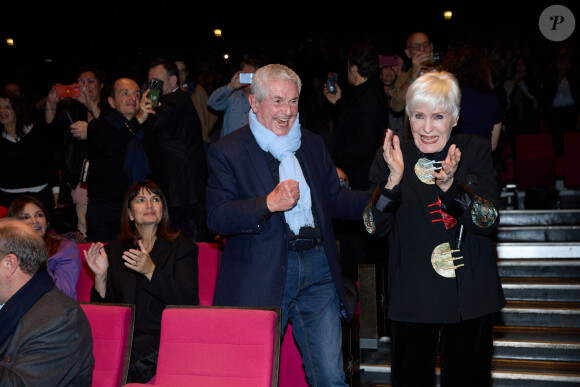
(419, 50)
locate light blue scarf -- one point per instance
(283, 149)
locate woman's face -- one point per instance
(7, 114)
(93, 85)
(431, 128)
(146, 208)
(33, 215)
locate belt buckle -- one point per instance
(303, 244)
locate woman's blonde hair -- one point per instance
(435, 89)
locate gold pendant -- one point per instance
(442, 260)
(424, 170)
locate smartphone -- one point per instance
(68, 91)
(331, 80)
(435, 60)
(388, 60)
(246, 77)
(155, 91)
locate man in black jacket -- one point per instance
(117, 158)
(174, 147)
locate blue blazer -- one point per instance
(253, 263)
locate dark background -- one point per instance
(53, 39)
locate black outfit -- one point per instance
(358, 133)
(428, 290)
(109, 138)
(174, 282)
(174, 147)
(29, 162)
(561, 119)
(71, 151)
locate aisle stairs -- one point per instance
(537, 335)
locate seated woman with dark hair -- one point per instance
(149, 266)
(64, 261)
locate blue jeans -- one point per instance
(312, 304)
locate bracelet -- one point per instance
(411, 79)
(47, 108)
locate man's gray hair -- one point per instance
(272, 72)
(19, 239)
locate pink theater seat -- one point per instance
(208, 263)
(3, 211)
(535, 160)
(112, 329)
(214, 346)
(571, 160)
(291, 369)
(86, 276)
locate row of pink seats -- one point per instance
(291, 372)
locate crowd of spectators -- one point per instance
(536, 88)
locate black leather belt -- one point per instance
(303, 244)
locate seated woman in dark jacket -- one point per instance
(150, 266)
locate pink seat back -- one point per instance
(571, 159)
(219, 346)
(291, 369)
(208, 263)
(86, 276)
(112, 329)
(535, 160)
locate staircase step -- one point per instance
(534, 343)
(534, 373)
(542, 289)
(538, 234)
(540, 314)
(539, 217)
(539, 268)
(504, 373)
(537, 250)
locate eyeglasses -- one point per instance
(418, 46)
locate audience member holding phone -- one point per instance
(70, 126)
(419, 49)
(232, 99)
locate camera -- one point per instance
(68, 91)
(331, 80)
(155, 91)
(246, 77)
(435, 60)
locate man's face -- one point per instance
(418, 43)
(159, 72)
(4, 294)
(279, 110)
(183, 71)
(127, 97)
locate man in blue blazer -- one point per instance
(272, 193)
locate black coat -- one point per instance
(359, 132)
(174, 147)
(417, 291)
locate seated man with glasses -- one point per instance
(420, 50)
